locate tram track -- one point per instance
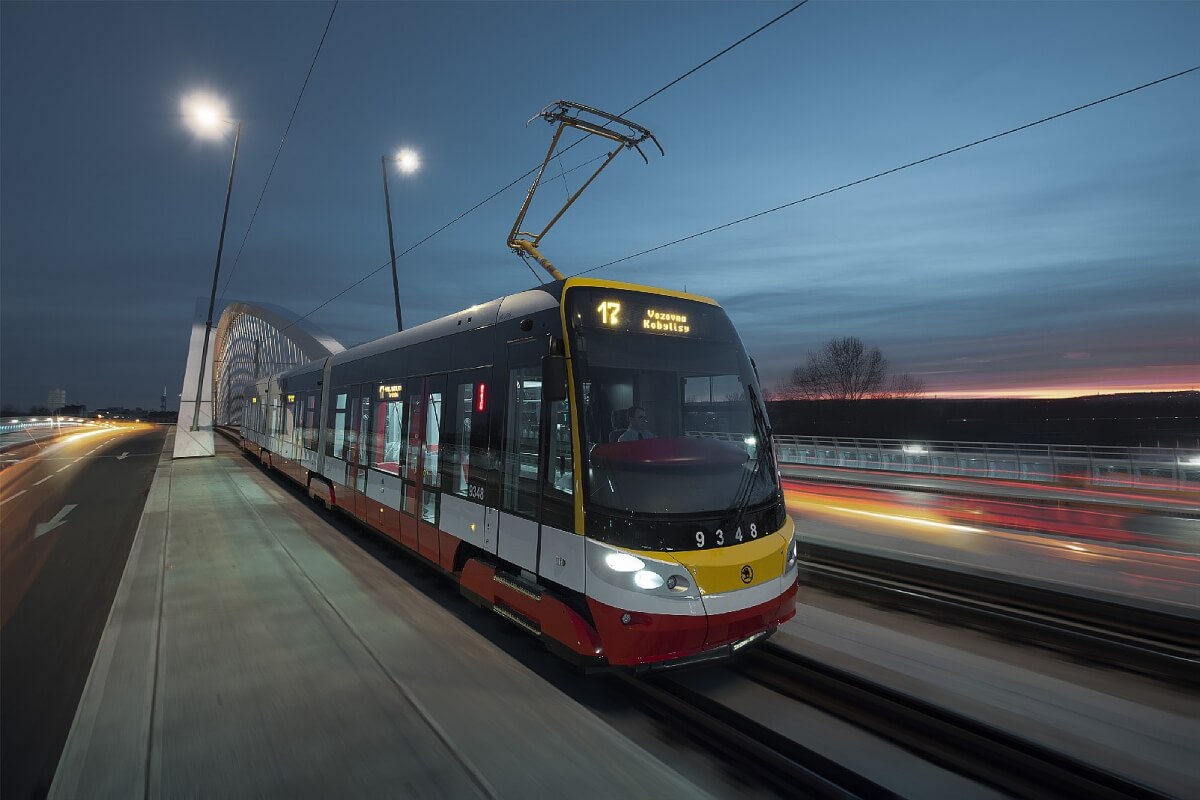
(993, 758)
(783, 764)
(954, 741)
(1154, 643)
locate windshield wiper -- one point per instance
(760, 429)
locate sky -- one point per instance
(1062, 259)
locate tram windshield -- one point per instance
(672, 415)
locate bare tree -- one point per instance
(843, 369)
(905, 386)
(846, 369)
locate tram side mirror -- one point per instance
(554, 378)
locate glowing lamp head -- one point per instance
(205, 115)
(407, 161)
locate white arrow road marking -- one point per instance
(59, 519)
(123, 455)
(43, 480)
(14, 497)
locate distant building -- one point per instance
(78, 410)
(56, 399)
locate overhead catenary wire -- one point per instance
(412, 247)
(279, 149)
(891, 171)
(534, 169)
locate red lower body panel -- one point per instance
(554, 618)
(656, 638)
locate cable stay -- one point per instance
(571, 115)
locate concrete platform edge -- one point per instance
(84, 746)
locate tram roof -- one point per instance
(530, 301)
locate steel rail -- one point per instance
(1150, 642)
(780, 762)
(967, 746)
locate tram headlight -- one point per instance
(793, 553)
(639, 573)
(623, 562)
(648, 580)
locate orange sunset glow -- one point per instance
(1074, 384)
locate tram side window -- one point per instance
(460, 456)
(387, 444)
(310, 423)
(296, 420)
(337, 437)
(431, 453)
(562, 463)
(521, 440)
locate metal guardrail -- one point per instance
(1161, 468)
(16, 431)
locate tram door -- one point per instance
(423, 468)
(519, 531)
(360, 440)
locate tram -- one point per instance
(496, 444)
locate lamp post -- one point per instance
(408, 162)
(206, 117)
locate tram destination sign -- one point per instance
(625, 311)
(626, 314)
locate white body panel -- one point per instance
(562, 546)
(518, 541)
(384, 488)
(335, 470)
(491, 524)
(744, 598)
(465, 519)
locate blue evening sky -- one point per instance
(1061, 258)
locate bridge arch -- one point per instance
(249, 341)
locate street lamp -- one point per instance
(207, 116)
(408, 162)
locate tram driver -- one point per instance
(637, 426)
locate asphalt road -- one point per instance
(67, 519)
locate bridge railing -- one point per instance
(1167, 468)
(19, 431)
(16, 424)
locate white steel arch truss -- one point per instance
(254, 340)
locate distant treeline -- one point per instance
(1165, 419)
